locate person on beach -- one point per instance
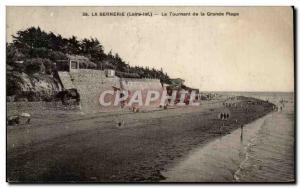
(242, 126)
(221, 128)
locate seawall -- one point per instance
(91, 83)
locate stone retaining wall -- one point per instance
(91, 83)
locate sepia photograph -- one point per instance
(150, 94)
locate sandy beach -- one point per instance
(61, 147)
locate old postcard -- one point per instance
(150, 94)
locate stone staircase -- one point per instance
(66, 80)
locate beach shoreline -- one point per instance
(93, 148)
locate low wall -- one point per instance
(143, 85)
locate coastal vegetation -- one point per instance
(35, 54)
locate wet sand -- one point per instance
(263, 151)
(59, 147)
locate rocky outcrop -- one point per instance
(36, 87)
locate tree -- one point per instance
(72, 45)
(43, 49)
(31, 38)
(92, 49)
(56, 43)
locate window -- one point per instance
(73, 64)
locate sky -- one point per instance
(249, 52)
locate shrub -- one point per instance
(38, 65)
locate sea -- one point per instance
(261, 151)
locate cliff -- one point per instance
(35, 87)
